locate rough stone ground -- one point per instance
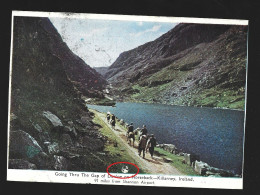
(157, 165)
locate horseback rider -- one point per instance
(143, 131)
(130, 128)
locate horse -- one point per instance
(131, 136)
(137, 132)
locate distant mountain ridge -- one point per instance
(192, 64)
(101, 70)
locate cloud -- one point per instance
(155, 28)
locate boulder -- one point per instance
(60, 163)
(201, 167)
(211, 174)
(20, 164)
(190, 158)
(70, 130)
(37, 127)
(44, 136)
(169, 147)
(159, 145)
(221, 172)
(56, 122)
(53, 148)
(187, 159)
(42, 160)
(22, 145)
(93, 144)
(85, 121)
(66, 140)
(70, 123)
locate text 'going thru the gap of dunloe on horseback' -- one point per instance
(107, 179)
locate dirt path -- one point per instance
(157, 165)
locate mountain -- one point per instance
(192, 64)
(101, 70)
(50, 126)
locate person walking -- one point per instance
(108, 117)
(151, 143)
(142, 145)
(113, 121)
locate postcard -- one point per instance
(127, 100)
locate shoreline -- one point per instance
(217, 108)
(191, 160)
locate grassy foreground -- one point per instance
(176, 161)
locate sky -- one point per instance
(100, 42)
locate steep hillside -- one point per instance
(50, 126)
(192, 64)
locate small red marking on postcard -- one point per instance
(122, 163)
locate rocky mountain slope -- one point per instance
(50, 126)
(192, 64)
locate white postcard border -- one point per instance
(138, 180)
(52, 176)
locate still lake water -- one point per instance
(216, 135)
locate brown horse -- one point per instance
(130, 137)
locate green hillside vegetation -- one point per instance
(209, 73)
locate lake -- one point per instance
(216, 135)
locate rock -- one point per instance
(53, 148)
(221, 172)
(60, 163)
(201, 167)
(169, 147)
(167, 160)
(20, 164)
(90, 143)
(190, 158)
(187, 159)
(44, 136)
(70, 123)
(37, 127)
(85, 121)
(159, 145)
(42, 161)
(56, 122)
(66, 140)
(210, 174)
(47, 143)
(22, 145)
(71, 130)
